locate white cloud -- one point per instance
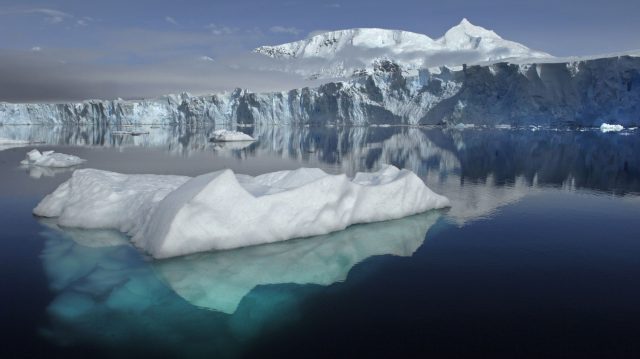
(51, 16)
(171, 20)
(285, 30)
(36, 49)
(206, 58)
(221, 29)
(84, 21)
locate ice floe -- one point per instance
(605, 127)
(172, 215)
(50, 159)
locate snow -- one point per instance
(102, 199)
(230, 136)
(605, 127)
(351, 50)
(171, 215)
(50, 159)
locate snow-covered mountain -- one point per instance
(345, 52)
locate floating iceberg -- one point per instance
(50, 159)
(171, 215)
(230, 136)
(605, 127)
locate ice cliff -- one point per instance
(552, 92)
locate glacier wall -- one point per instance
(580, 93)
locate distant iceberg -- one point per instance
(605, 127)
(50, 159)
(172, 215)
(230, 136)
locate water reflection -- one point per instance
(109, 294)
(591, 160)
(39, 171)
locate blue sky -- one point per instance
(121, 34)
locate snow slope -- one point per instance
(345, 52)
(170, 215)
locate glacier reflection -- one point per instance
(588, 159)
(107, 293)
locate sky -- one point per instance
(70, 49)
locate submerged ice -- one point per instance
(172, 215)
(107, 294)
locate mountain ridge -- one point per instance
(348, 51)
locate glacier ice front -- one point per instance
(171, 215)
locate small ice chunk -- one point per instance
(230, 136)
(605, 127)
(170, 216)
(50, 159)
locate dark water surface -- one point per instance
(539, 255)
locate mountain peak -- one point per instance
(465, 29)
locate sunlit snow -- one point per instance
(172, 215)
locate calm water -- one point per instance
(538, 257)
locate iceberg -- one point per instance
(230, 136)
(169, 216)
(605, 127)
(50, 159)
